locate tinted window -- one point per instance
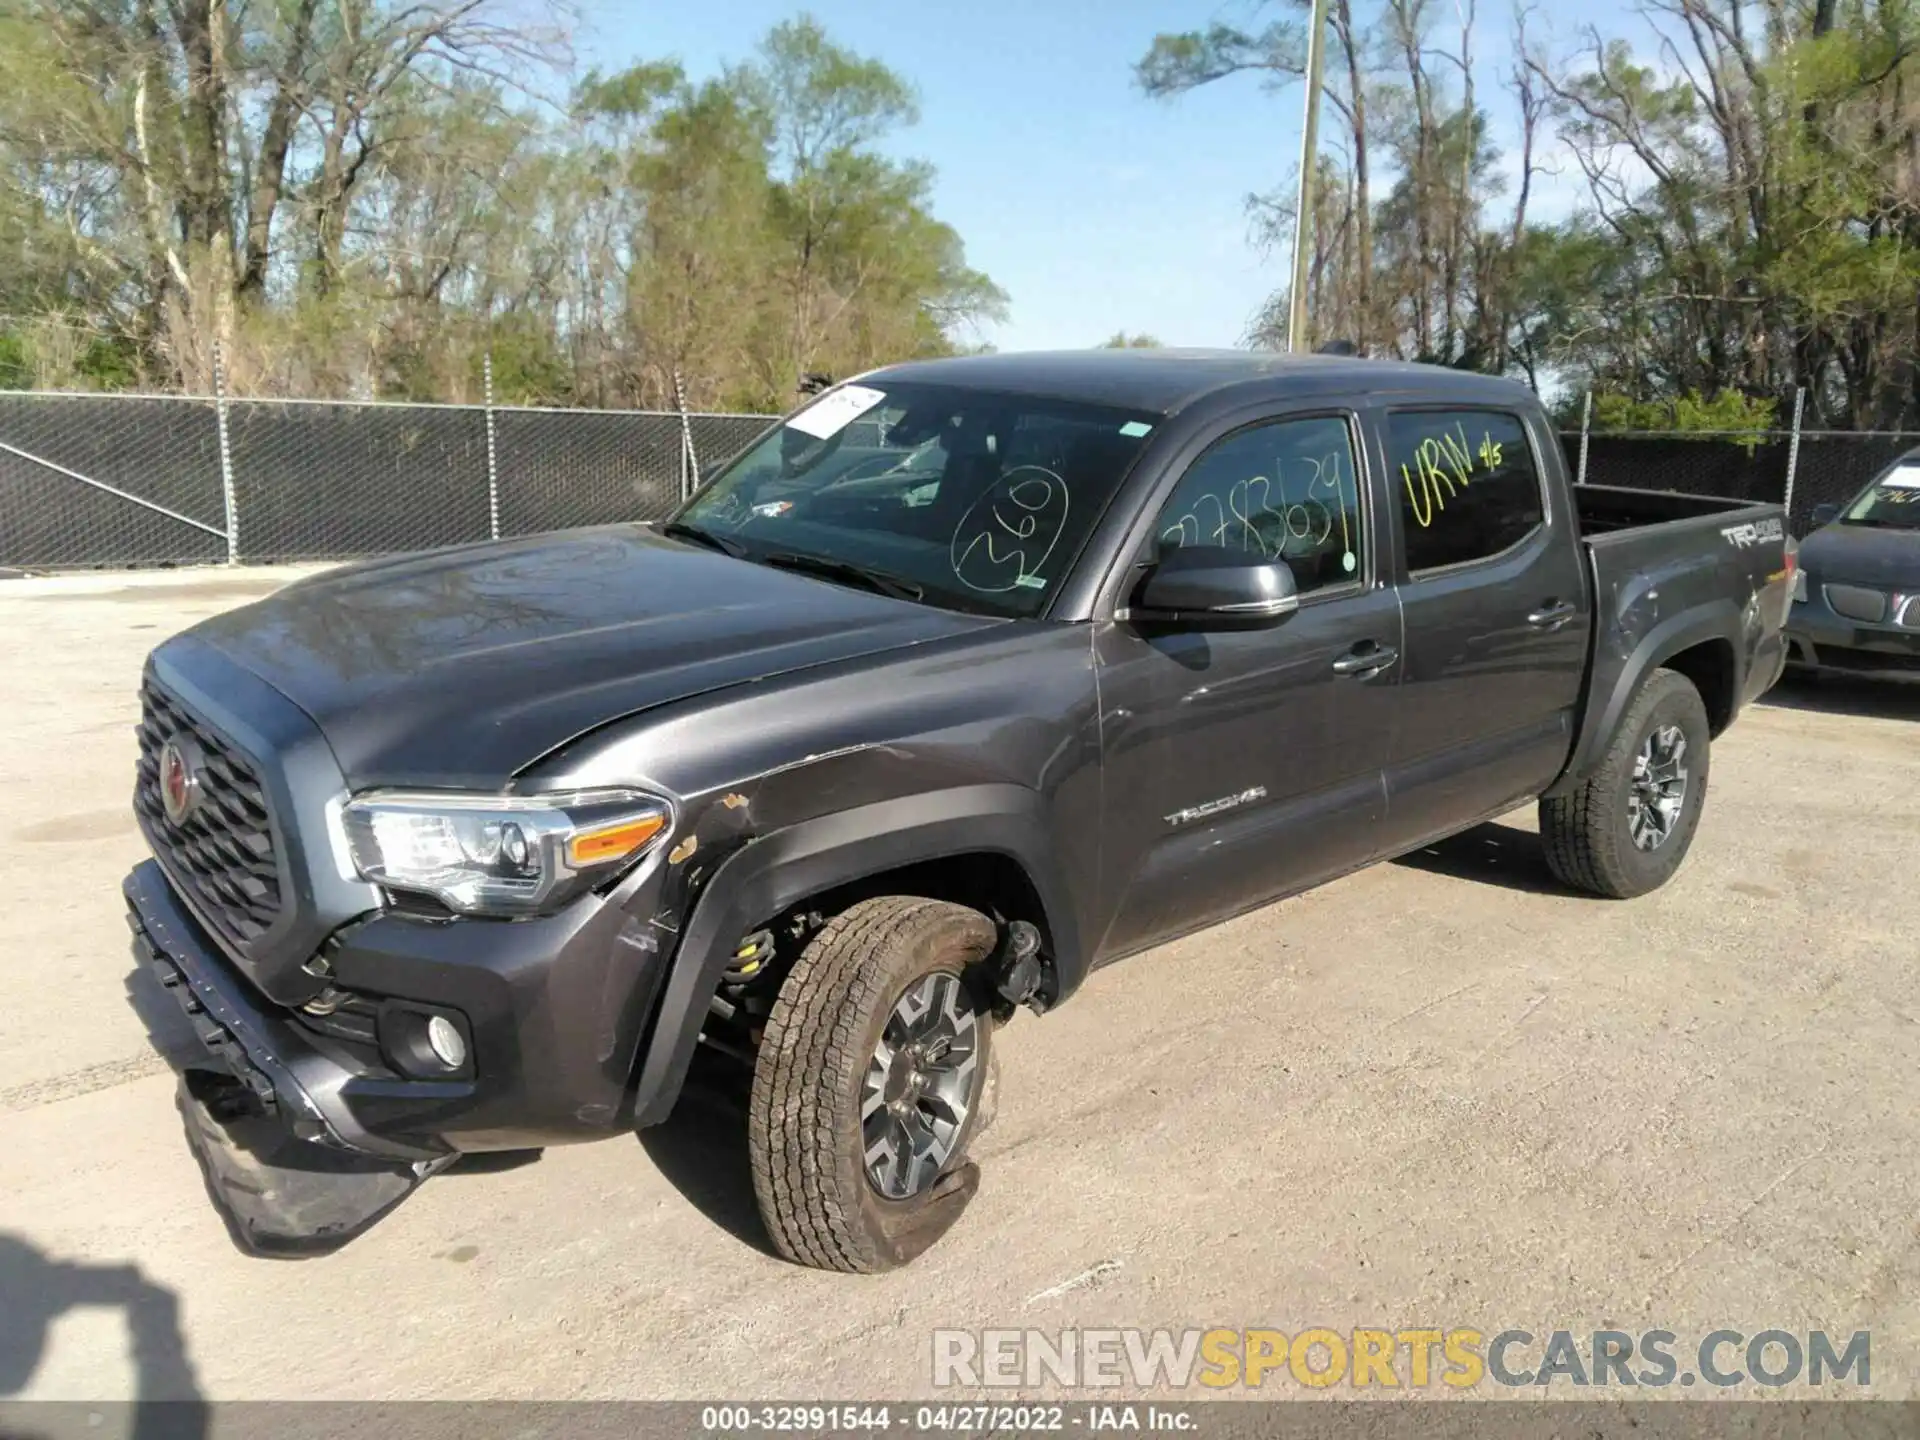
(1466, 483)
(979, 501)
(1285, 490)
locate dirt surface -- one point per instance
(1441, 1093)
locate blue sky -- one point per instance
(1094, 207)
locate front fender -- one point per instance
(771, 873)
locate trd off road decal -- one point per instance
(1755, 532)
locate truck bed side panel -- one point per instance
(1715, 579)
(1604, 509)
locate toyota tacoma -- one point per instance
(969, 676)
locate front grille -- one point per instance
(222, 852)
(1909, 616)
(1857, 602)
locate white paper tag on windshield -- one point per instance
(1907, 477)
(833, 412)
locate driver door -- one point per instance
(1245, 764)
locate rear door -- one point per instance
(1494, 600)
(1244, 764)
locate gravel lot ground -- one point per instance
(1438, 1093)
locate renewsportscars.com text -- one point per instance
(1460, 1358)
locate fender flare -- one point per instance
(1719, 620)
(773, 872)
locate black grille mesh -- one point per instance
(1857, 602)
(223, 851)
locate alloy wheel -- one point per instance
(1657, 796)
(919, 1086)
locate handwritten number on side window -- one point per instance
(1235, 517)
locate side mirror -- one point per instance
(1209, 587)
(1825, 515)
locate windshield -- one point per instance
(965, 499)
(1892, 501)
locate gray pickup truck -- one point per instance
(968, 677)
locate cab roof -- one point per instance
(1161, 381)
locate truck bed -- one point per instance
(1671, 571)
(1604, 509)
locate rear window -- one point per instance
(1467, 486)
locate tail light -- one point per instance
(1796, 577)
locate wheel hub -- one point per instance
(905, 1080)
(1657, 795)
(918, 1090)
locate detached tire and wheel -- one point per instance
(1624, 830)
(874, 1074)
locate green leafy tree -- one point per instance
(1727, 413)
(1751, 224)
(369, 197)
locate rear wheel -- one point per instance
(1625, 829)
(872, 1078)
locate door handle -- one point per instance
(1366, 658)
(1552, 616)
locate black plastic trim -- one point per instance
(776, 872)
(265, 1052)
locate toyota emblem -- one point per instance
(179, 778)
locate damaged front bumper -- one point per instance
(263, 1108)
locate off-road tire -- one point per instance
(1589, 844)
(803, 1119)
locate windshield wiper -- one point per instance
(877, 580)
(680, 530)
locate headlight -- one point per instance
(1800, 587)
(500, 854)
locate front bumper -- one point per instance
(554, 1008)
(1820, 640)
(290, 1169)
(243, 1038)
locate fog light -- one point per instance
(444, 1038)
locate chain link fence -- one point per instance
(129, 480)
(109, 480)
(1801, 470)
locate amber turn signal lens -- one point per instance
(612, 842)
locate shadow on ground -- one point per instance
(701, 1149)
(38, 1290)
(1846, 695)
(1493, 854)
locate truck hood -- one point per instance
(461, 667)
(1864, 554)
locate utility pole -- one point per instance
(1309, 153)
